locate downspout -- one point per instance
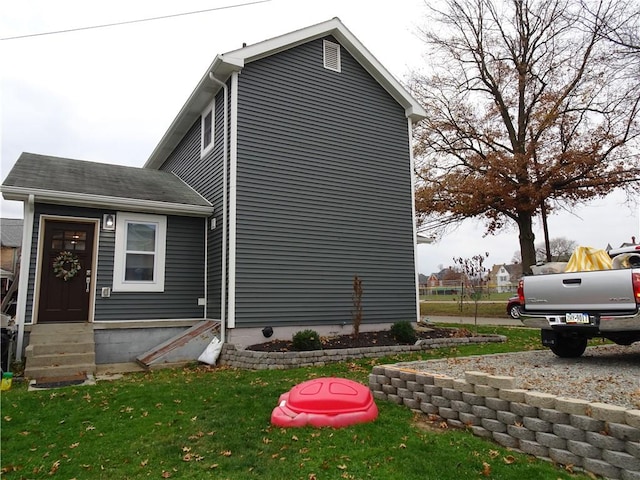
(233, 182)
(25, 261)
(223, 281)
(413, 218)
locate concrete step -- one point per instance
(59, 348)
(67, 328)
(40, 335)
(61, 360)
(50, 374)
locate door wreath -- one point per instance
(66, 265)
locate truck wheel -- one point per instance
(569, 347)
(514, 312)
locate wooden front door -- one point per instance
(66, 265)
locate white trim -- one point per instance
(211, 109)
(23, 282)
(413, 218)
(104, 202)
(119, 257)
(233, 183)
(206, 265)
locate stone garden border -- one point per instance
(248, 359)
(597, 437)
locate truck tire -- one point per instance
(514, 312)
(569, 347)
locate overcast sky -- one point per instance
(109, 94)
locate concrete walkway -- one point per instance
(503, 321)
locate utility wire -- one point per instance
(132, 21)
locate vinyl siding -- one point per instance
(205, 175)
(184, 271)
(324, 193)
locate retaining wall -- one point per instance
(249, 359)
(600, 438)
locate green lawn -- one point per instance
(199, 422)
(449, 308)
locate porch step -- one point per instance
(60, 350)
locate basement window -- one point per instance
(207, 129)
(139, 256)
(331, 55)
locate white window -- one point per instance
(139, 257)
(207, 122)
(331, 55)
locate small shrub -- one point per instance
(307, 340)
(403, 332)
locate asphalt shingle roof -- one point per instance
(64, 175)
(11, 232)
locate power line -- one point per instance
(133, 21)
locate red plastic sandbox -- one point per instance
(325, 402)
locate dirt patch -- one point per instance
(380, 338)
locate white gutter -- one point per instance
(223, 282)
(103, 201)
(23, 282)
(233, 183)
(413, 218)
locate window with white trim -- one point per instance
(331, 55)
(207, 122)
(139, 257)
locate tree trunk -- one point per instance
(527, 242)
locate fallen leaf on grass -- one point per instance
(486, 469)
(74, 445)
(226, 453)
(509, 459)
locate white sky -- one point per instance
(109, 94)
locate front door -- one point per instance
(65, 279)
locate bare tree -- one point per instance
(531, 107)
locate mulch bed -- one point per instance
(381, 338)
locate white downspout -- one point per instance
(223, 281)
(413, 219)
(233, 183)
(25, 261)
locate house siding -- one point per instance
(184, 271)
(205, 175)
(324, 193)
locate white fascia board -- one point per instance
(335, 27)
(201, 96)
(102, 201)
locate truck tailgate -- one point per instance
(605, 291)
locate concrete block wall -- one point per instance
(239, 358)
(600, 438)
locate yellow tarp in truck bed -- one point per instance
(586, 259)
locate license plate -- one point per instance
(577, 318)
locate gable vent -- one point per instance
(331, 56)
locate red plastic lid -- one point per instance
(330, 396)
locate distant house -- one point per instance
(287, 172)
(10, 243)
(504, 278)
(10, 247)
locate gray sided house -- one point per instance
(287, 172)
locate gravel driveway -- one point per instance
(608, 374)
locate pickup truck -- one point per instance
(571, 308)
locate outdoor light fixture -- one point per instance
(109, 222)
